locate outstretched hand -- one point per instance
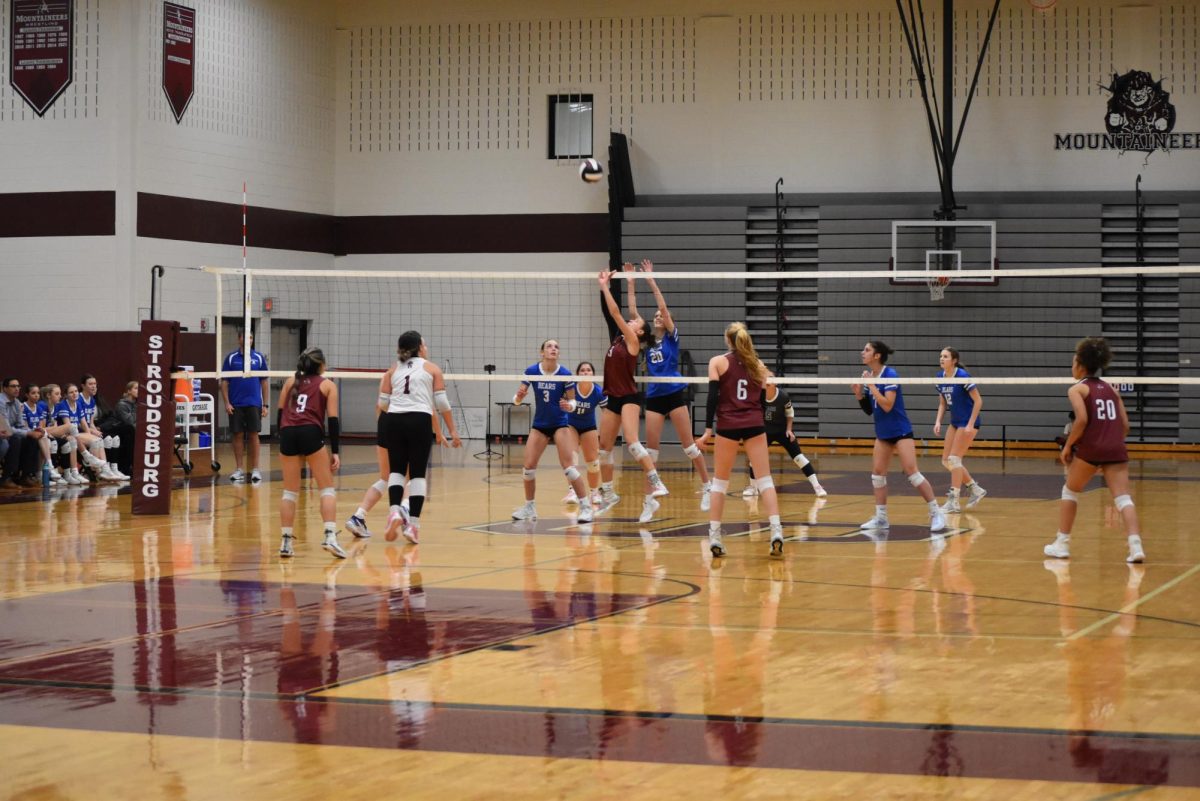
(647, 266)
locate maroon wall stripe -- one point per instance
(474, 233)
(58, 214)
(192, 220)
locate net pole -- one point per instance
(245, 294)
(217, 325)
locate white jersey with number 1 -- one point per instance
(412, 387)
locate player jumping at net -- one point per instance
(777, 417)
(554, 402)
(735, 394)
(883, 400)
(588, 397)
(666, 400)
(964, 403)
(305, 401)
(1096, 443)
(417, 388)
(623, 406)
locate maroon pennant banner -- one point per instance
(155, 442)
(40, 43)
(179, 56)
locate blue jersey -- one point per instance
(958, 399)
(244, 391)
(89, 408)
(546, 395)
(662, 361)
(63, 411)
(584, 416)
(36, 416)
(889, 425)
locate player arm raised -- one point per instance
(627, 332)
(667, 321)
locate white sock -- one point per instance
(360, 513)
(287, 532)
(813, 480)
(714, 527)
(881, 511)
(933, 506)
(330, 529)
(773, 520)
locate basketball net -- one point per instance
(937, 286)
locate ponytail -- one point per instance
(739, 341)
(310, 363)
(409, 345)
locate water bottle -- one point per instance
(46, 475)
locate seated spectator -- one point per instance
(16, 449)
(60, 436)
(73, 411)
(123, 424)
(37, 415)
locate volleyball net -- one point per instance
(1016, 336)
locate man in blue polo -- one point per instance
(246, 404)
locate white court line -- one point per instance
(1104, 621)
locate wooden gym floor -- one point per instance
(181, 658)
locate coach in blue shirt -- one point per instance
(246, 404)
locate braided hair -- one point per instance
(310, 363)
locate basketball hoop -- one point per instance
(1042, 5)
(937, 286)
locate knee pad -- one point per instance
(916, 479)
(653, 454)
(801, 460)
(719, 486)
(878, 482)
(416, 486)
(1123, 502)
(572, 473)
(1067, 495)
(528, 475)
(606, 457)
(692, 451)
(329, 492)
(953, 462)
(380, 486)
(593, 467)
(288, 495)
(637, 450)
(946, 463)
(765, 483)
(396, 480)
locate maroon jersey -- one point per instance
(1104, 438)
(309, 407)
(739, 401)
(619, 366)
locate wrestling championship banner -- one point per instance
(40, 49)
(179, 56)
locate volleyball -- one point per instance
(590, 171)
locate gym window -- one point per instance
(570, 126)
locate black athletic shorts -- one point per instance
(409, 437)
(741, 434)
(301, 440)
(665, 404)
(245, 419)
(615, 404)
(549, 432)
(894, 440)
(380, 434)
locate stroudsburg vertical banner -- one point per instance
(41, 40)
(155, 440)
(179, 57)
